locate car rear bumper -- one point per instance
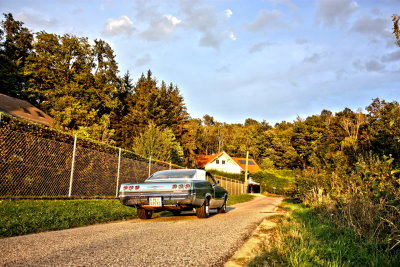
(174, 201)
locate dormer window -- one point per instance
(26, 110)
(40, 114)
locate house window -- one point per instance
(223, 162)
(217, 161)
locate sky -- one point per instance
(272, 60)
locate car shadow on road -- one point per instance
(167, 214)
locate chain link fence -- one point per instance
(32, 166)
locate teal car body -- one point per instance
(176, 191)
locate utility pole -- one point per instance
(247, 170)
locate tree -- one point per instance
(15, 47)
(158, 144)
(396, 28)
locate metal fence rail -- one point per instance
(32, 166)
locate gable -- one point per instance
(223, 158)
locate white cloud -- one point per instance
(120, 26)
(36, 19)
(393, 56)
(330, 12)
(373, 27)
(301, 41)
(228, 13)
(258, 47)
(284, 2)
(314, 58)
(212, 26)
(143, 60)
(267, 20)
(161, 27)
(374, 65)
(232, 36)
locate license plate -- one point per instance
(155, 201)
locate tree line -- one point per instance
(77, 82)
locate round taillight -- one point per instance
(187, 186)
(131, 187)
(137, 187)
(180, 186)
(174, 186)
(125, 187)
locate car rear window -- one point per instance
(173, 174)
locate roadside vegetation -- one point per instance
(20, 217)
(275, 181)
(305, 237)
(239, 199)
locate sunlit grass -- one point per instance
(239, 199)
(305, 239)
(19, 217)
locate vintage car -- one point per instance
(175, 191)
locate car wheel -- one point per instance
(176, 212)
(223, 208)
(203, 211)
(144, 214)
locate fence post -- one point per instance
(170, 165)
(149, 166)
(118, 171)
(71, 179)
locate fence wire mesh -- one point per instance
(32, 166)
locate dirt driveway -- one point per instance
(164, 241)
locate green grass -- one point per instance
(19, 217)
(239, 199)
(305, 239)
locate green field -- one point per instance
(20, 217)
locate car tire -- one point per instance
(144, 214)
(176, 212)
(203, 211)
(223, 208)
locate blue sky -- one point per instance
(268, 60)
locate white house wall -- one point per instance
(229, 166)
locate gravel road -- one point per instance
(164, 241)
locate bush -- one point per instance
(276, 181)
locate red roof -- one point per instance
(203, 160)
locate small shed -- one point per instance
(253, 187)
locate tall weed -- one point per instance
(365, 197)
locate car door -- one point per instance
(217, 193)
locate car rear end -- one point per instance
(157, 196)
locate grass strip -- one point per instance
(239, 199)
(305, 239)
(20, 217)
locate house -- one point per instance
(225, 163)
(23, 109)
